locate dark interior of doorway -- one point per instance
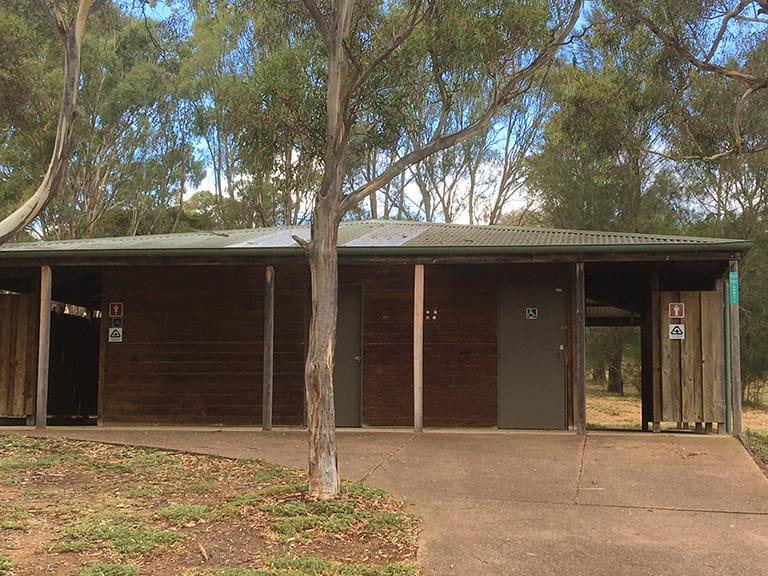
(74, 366)
(613, 366)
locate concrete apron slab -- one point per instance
(501, 503)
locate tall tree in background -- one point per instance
(711, 37)
(28, 100)
(133, 156)
(596, 169)
(485, 36)
(68, 19)
(721, 137)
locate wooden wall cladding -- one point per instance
(460, 350)
(192, 345)
(692, 369)
(387, 396)
(459, 345)
(18, 354)
(291, 285)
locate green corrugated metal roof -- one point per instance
(378, 237)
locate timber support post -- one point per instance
(418, 348)
(579, 362)
(656, 351)
(43, 348)
(269, 347)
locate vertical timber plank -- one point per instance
(735, 330)
(44, 347)
(418, 349)
(269, 347)
(106, 293)
(670, 365)
(655, 326)
(646, 366)
(579, 362)
(713, 357)
(691, 353)
(30, 361)
(6, 399)
(12, 375)
(23, 318)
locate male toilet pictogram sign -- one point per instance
(676, 310)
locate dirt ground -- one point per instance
(606, 411)
(75, 508)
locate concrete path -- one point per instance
(503, 503)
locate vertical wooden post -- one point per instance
(269, 347)
(656, 350)
(646, 362)
(418, 348)
(43, 348)
(735, 329)
(579, 363)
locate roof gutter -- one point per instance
(738, 247)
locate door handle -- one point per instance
(358, 359)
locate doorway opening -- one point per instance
(613, 378)
(74, 365)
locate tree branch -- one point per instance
(509, 91)
(674, 43)
(319, 19)
(54, 15)
(412, 20)
(724, 26)
(700, 157)
(58, 166)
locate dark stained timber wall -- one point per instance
(387, 342)
(192, 345)
(291, 286)
(460, 346)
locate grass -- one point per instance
(13, 516)
(298, 518)
(97, 510)
(108, 570)
(293, 566)
(608, 410)
(182, 514)
(123, 531)
(757, 442)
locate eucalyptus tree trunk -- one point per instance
(323, 258)
(333, 22)
(321, 416)
(71, 32)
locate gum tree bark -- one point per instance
(71, 31)
(332, 20)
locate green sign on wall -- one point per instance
(733, 287)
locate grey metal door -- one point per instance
(346, 372)
(531, 353)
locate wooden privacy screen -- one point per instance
(18, 354)
(693, 367)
